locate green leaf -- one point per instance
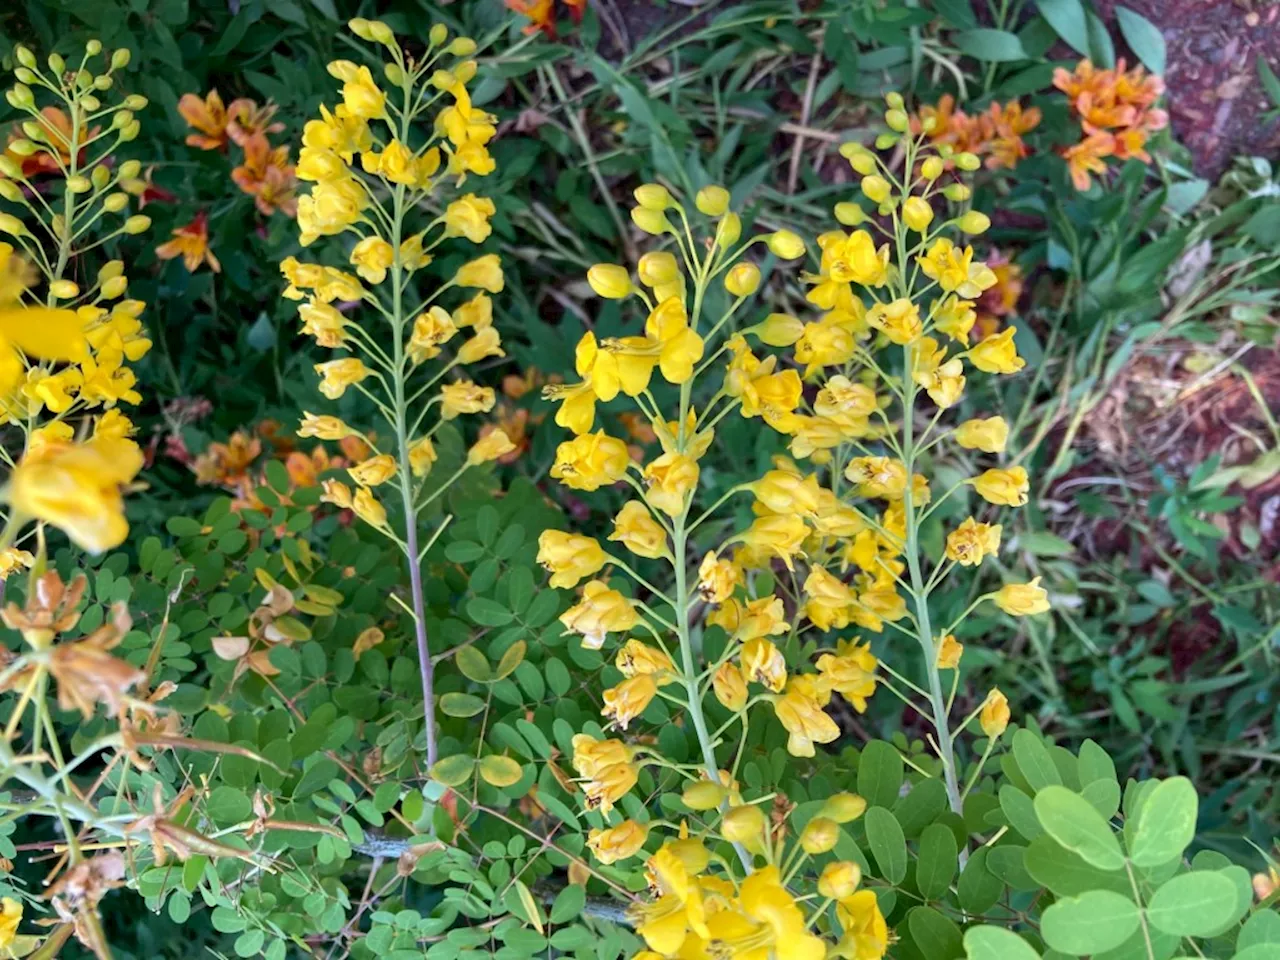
(1069, 21)
(511, 659)
(460, 705)
(568, 903)
(1073, 822)
(1270, 82)
(520, 902)
(880, 774)
(887, 843)
(1067, 874)
(937, 937)
(936, 863)
(978, 888)
(1020, 812)
(1144, 38)
(1262, 951)
(1090, 923)
(227, 805)
(473, 664)
(1194, 904)
(1102, 50)
(1034, 761)
(454, 771)
(996, 943)
(1166, 823)
(488, 612)
(996, 46)
(500, 771)
(1262, 928)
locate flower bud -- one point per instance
(897, 120)
(957, 192)
(20, 97)
(886, 141)
(115, 202)
(729, 687)
(785, 245)
(100, 177)
(743, 279)
(12, 225)
(79, 184)
(462, 47)
(703, 795)
(876, 188)
(819, 835)
(609, 280)
(122, 119)
(10, 167)
(102, 82)
(135, 101)
(968, 161)
(34, 131)
(438, 35)
(931, 169)
(728, 230)
(850, 214)
(138, 223)
(713, 201)
(115, 287)
(24, 75)
(894, 99)
(862, 161)
(10, 191)
(743, 825)
(844, 807)
(120, 58)
(58, 225)
(64, 289)
(653, 196)
(22, 148)
(90, 102)
(394, 73)
(839, 880)
(130, 169)
(360, 27)
(650, 221)
(974, 222)
(917, 214)
(381, 33)
(56, 63)
(93, 47)
(779, 330)
(25, 56)
(130, 132)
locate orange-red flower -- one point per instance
(542, 13)
(191, 242)
(1000, 299)
(245, 120)
(267, 175)
(56, 126)
(1088, 157)
(1116, 112)
(208, 116)
(995, 134)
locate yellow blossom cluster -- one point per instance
(860, 398)
(66, 345)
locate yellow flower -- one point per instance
(841, 398)
(829, 602)
(763, 663)
(659, 270)
(337, 493)
(422, 454)
(323, 322)
(627, 700)
(997, 353)
(716, 578)
(374, 471)
(780, 536)
(491, 446)
(850, 672)
(323, 427)
(337, 375)
(1008, 488)
(485, 343)
(729, 687)
(955, 318)
(995, 713)
(989, 436)
(591, 461)
(712, 200)
(469, 217)
(1022, 599)
(899, 320)
(679, 348)
(941, 378)
(372, 257)
(779, 330)
(465, 397)
(329, 209)
(917, 214)
(76, 488)
(609, 280)
(828, 343)
(12, 560)
(763, 617)
(840, 879)
(804, 721)
(844, 807)
(819, 836)
(476, 312)
(866, 936)
(743, 824)
(743, 279)
(852, 258)
(569, 557)
(360, 95)
(10, 917)
(601, 611)
(57, 433)
(970, 542)
(618, 843)
(635, 657)
(483, 272)
(431, 330)
(368, 509)
(609, 784)
(950, 650)
(878, 477)
(665, 924)
(635, 528)
(590, 756)
(770, 924)
(341, 131)
(669, 481)
(954, 269)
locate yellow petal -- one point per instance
(44, 333)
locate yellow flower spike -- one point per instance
(600, 611)
(875, 188)
(997, 353)
(368, 509)
(678, 346)
(628, 700)
(712, 201)
(610, 281)
(635, 528)
(337, 375)
(729, 687)
(1022, 599)
(819, 836)
(989, 436)
(653, 196)
(917, 214)
(465, 397)
(1005, 488)
(994, 717)
(763, 663)
(779, 330)
(618, 843)
(971, 542)
(591, 461)
(569, 557)
(950, 650)
(744, 824)
(374, 471)
(785, 245)
(804, 721)
(839, 879)
(844, 807)
(743, 279)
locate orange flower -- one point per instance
(267, 176)
(542, 14)
(1001, 299)
(57, 128)
(208, 116)
(1116, 113)
(995, 134)
(1086, 157)
(246, 120)
(1005, 146)
(191, 242)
